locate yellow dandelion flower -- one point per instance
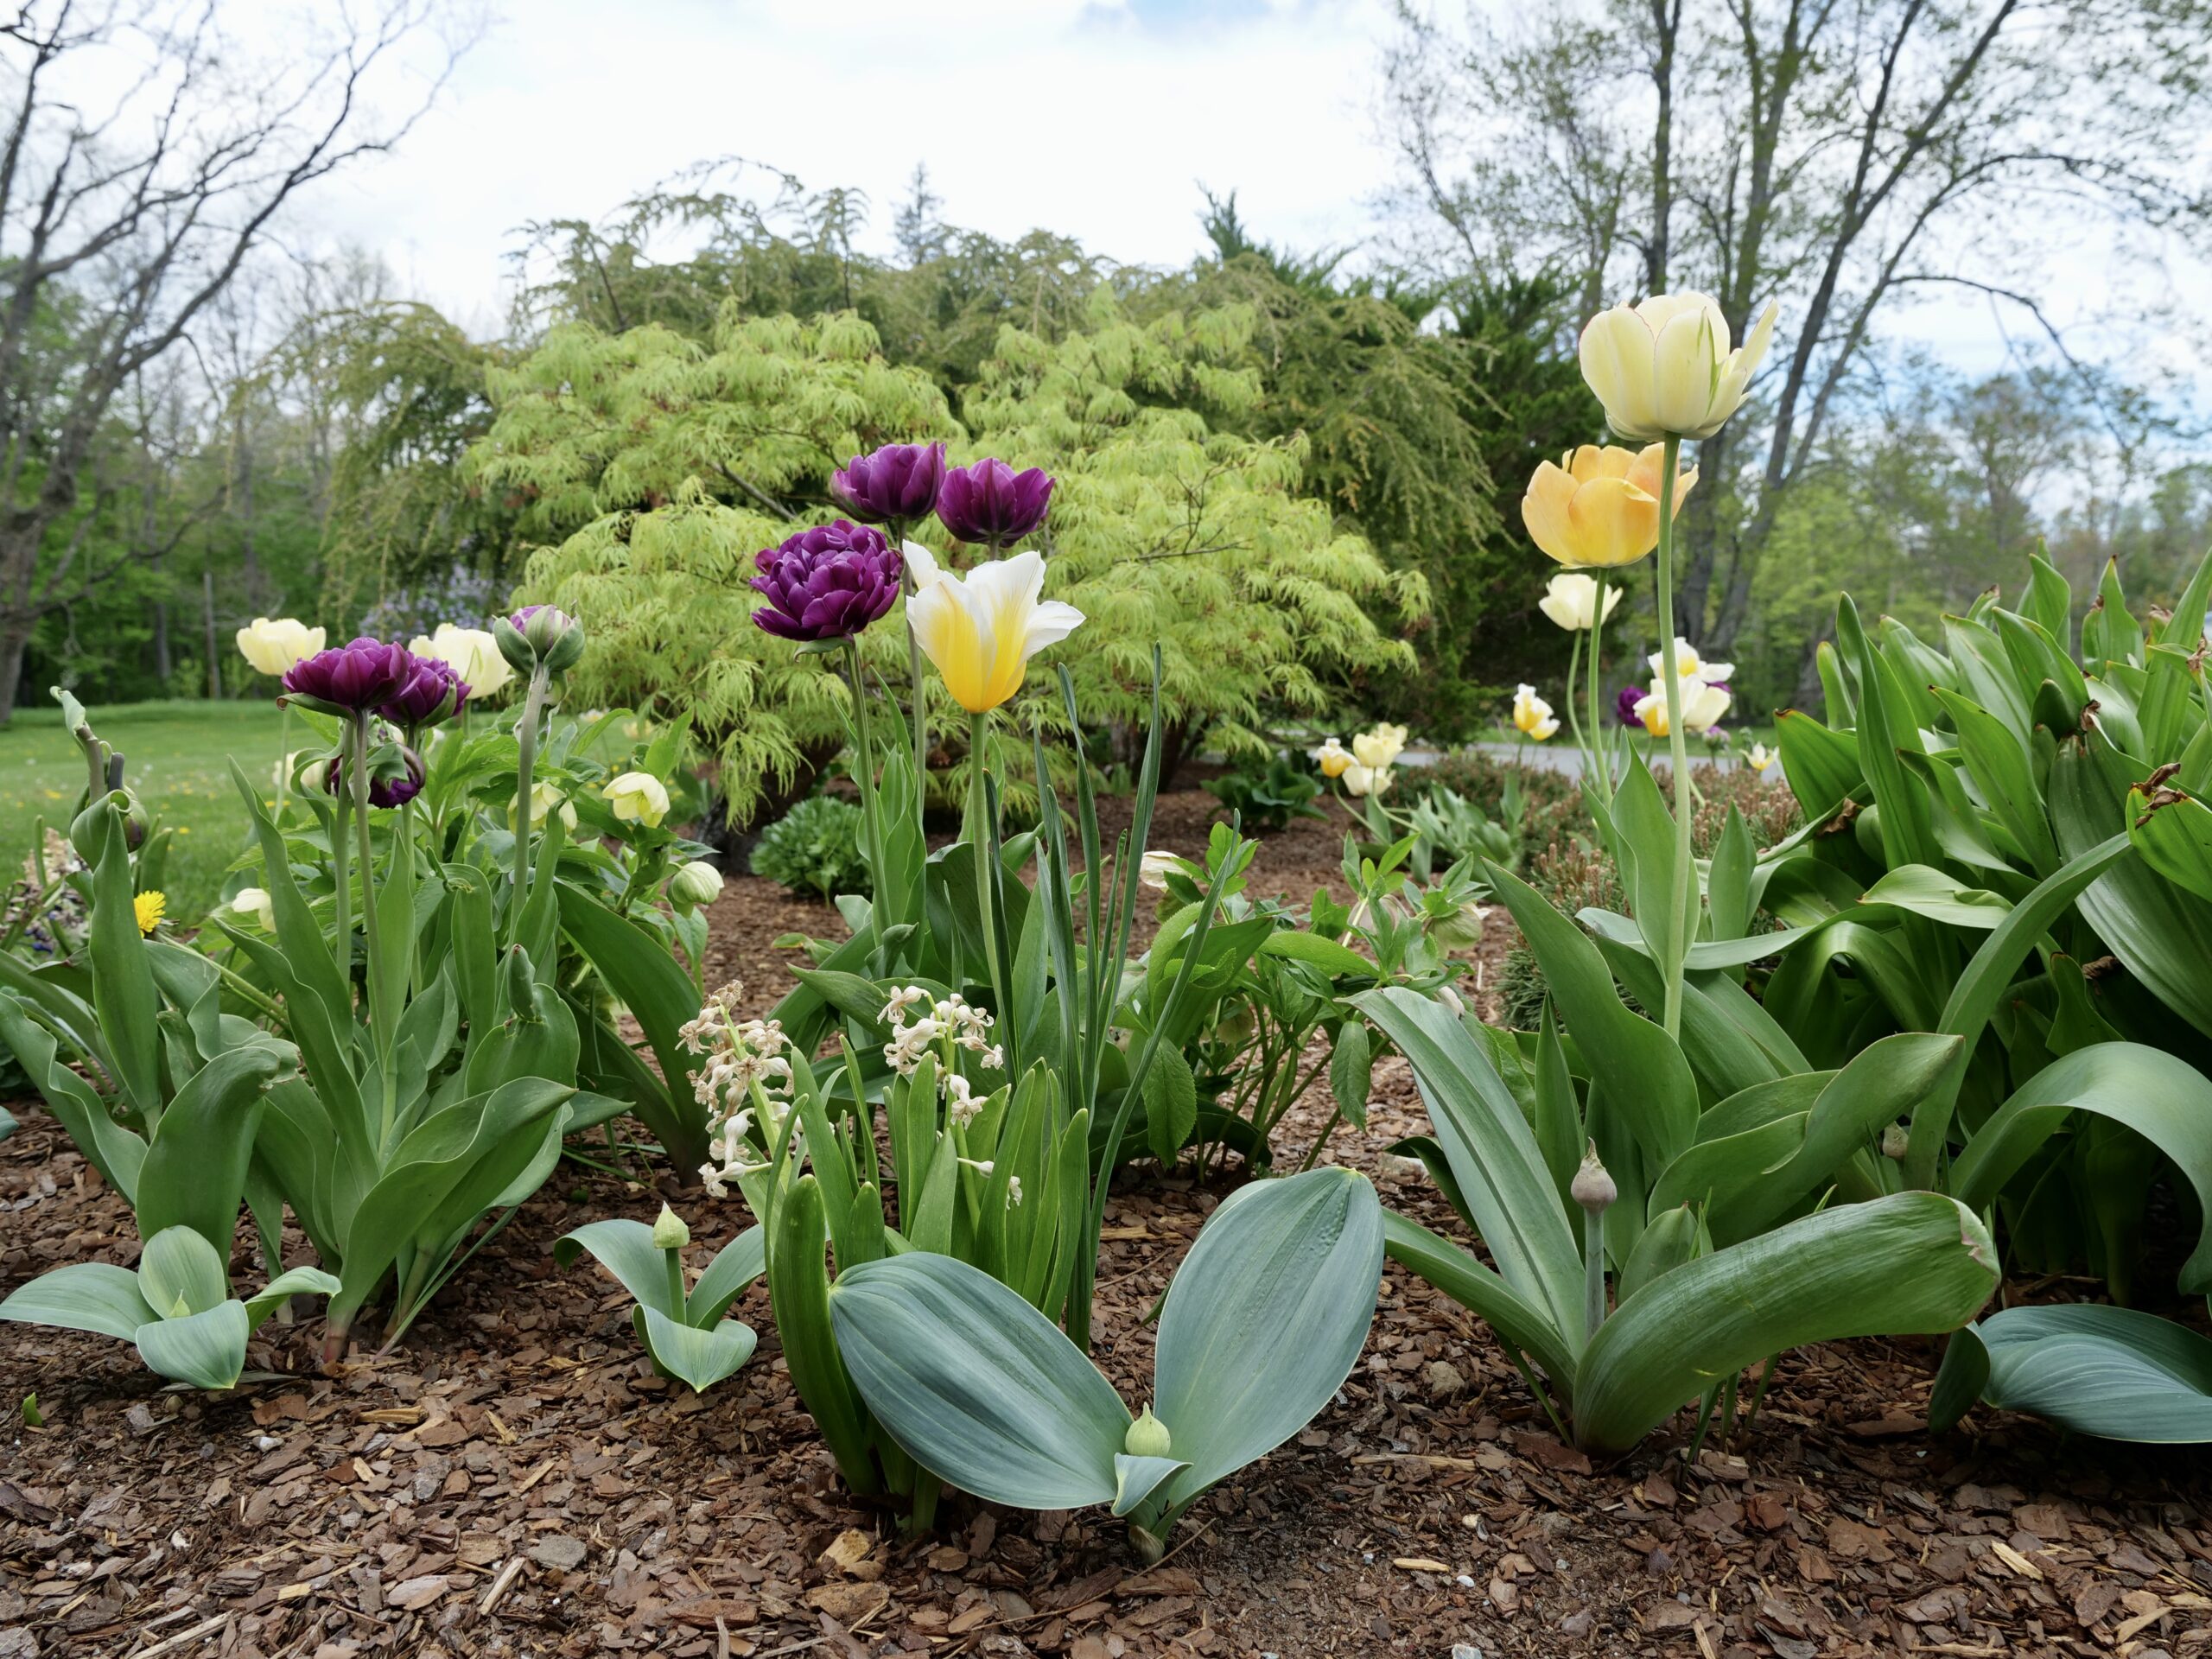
(150, 907)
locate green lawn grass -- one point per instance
(177, 757)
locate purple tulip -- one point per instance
(991, 502)
(352, 678)
(1624, 706)
(538, 636)
(897, 484)
(433, 692)
(826, 584)
(390, 784)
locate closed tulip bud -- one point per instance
(669, 1232)
(990, 502)
(1664, 369)
(1147, 1437)
(539, 633)
(696, 883)
(638, 798)
(1897, 1141)
(1592, 1188)
(898, 483)
(1460, 929)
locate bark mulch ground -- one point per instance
(512, 1479)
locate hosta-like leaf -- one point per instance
(973, 1382)
(624, 1249)
(1137, 1478)
(296, 1281)
(207, 1349)
(1911, 1263)
(743, 1259)
(698, 1356)
(95, 1296)
(179, 1268)
(2111, 1372)
(1266, 1318)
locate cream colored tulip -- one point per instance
(1532, 715)
(1571, 600)
(1664, 369)
(272, 647)
(1380, 746)
(257, 903)
(1156, 865)
(1332, 758)
(981, 627)
(1367, 780)
(1703, 706)
(1598, 508)
(472, 653)
(637, 798)
(1760, 756)
(1691, 667)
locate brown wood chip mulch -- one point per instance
(512, 1479)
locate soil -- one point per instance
(512, 1478)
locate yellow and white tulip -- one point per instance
(1571, 600)
(273, 647)
(981, 627)
(1532, 715)
(1663, 368)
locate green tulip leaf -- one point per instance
(624, 1249)
(727, 1277)
(2111, 1372)
(296, 1281)
(95, 1296)
(698, 1356)
(207, 1349)
(1137, 1478)
(179, 1266)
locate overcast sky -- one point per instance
(1095, 118)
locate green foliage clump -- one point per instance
(1269, 796)
(814, 849)
(661, 465)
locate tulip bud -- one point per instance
(1896, 1139)
(136, 821)
(1592, 1188)
(539, 633)
(696, 883)
(1460, 929)
(1147, 1437)
(669, 1232)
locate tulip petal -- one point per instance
(1616, 353)
(1612, 523)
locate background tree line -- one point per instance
(201, 424)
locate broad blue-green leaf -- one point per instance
(973, 1382)
(624, 1249)
(1476, 1287)
(180, 1273)
(2160, 1095)
(207, 1349)
(1265, 1319)
(1137, 1478)
(1911, 1263)
(1500, 1169)
(700, 1355)
(2111, 1372)
(743, 1259)
(798, 1287)
(295, 1281)
(1921, 890)
(95, 1296)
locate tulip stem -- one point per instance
(1598, 746)
(1593, 1270)
(921, 694)
(1574, 679)
(525, 780)
(864, 780)
(1685, 889)
(380, 1016)
(283, 754)
(984, 843)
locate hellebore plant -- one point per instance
(683, 1332)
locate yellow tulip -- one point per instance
(272, 647)
(982, 628)
(1664, 369)
(472, 653)
(1532, 715)
(1332, 758)
(1377, 747)
(1703, 706)
(637, 798)
(1599, 506)
(1761, 757)
(1367, 780)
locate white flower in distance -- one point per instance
(1156, 865)
(1571, 600)
(257, 903)
(1690, 665)
(1759, 757)
(472, 653)
(1532, 715)
(1703, 706)
(1664, 369)
(982, 628)
(1366, 780)
(272, 647)
(546, 797)
(638, 798)
(1377, 748)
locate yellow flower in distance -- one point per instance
(1600, 506)
(1664, 369)
(1532, 715)
(148, 907)
(1332, 758)
(272, 647)
(1760, 756)
(981, 627)
(1379, 745)
(636, 797)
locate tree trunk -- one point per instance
(13, 636)
(214, 662)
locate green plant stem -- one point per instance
(526, 770)
(978, 810)
(341, 899)
(1684, 889)
(674, 1262)
(1593, 1270)
(921, 691)
(283, 754)
(864, 780)
(380, 1019)
(1599, 756)
(1574, 679)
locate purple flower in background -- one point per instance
(395, 776)
(826, 584)
(431, 692)
(538, 636)
(1624, 706)
(991, 502)
(896, 484)
(352, 678)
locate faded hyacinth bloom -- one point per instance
(954, 1019)
(746, 1081)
